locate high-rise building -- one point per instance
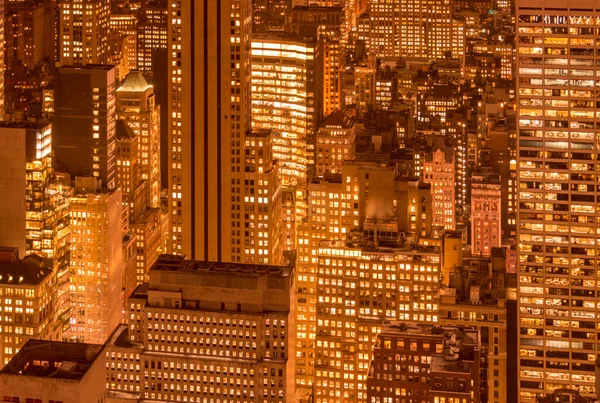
(35, 206)
(270, 15)
(439, 170)
(125, 26)
(194, 319)
(486, 214)
(336, 143)
(85, 141)
(83, 28)
(151, 31)
(262, 201)
(557, 213)
(410, 28)
(55, 372)
(24, 33)
(27, 303)
(332, 67)
(136, 105)
(96, 261)
(373, 277)
(20, 143)
(283, 98)
(364, 194)
(209, 115)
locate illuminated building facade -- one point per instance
(209, 115)
(336, 143)
(262, 201)
(486, 213)
(96, 262)
(410, 28)
(136, 105)
(151, 31)
(35, 205)
(339, 204)
(125, 26)
(200, 329)
(406, 355)
(283, 99)
(332, 62)
(26, 301)
(357, 288)
(439, 171)
(557, 206)
(24, 33)
(83, 32)
(85, 140)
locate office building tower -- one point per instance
(34, 209)
(364, 194)
(85, 140)
(270, 15)
(486, 215)
(410, 28)
(96, 261)
(332, 67)
(283, 98)
(557, 205)
(83, 28)
(151, 32)
(27, 308)
(209, 115)
(312, 19)
(55, 372)
(125, 26)
(136, 105)
(336, 143)
(440, 171)
(232, 322)
(404, 283)
(18, 145)
(24, 33)
(262, 201)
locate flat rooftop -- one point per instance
(179, 264)
(53, 359)
(29, 271)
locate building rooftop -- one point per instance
(134, 82)
(179, 264)
(23, 124)
(29, 271)
(337, 119)
(53, 359)
(120, 338)
(106, 67)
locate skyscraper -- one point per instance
(283, 98)
(83, 27)
(209, 114)
(411, 28)
(151, 32)
(96, 262)
(558, 205)
(136, 105)
(85, 141)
